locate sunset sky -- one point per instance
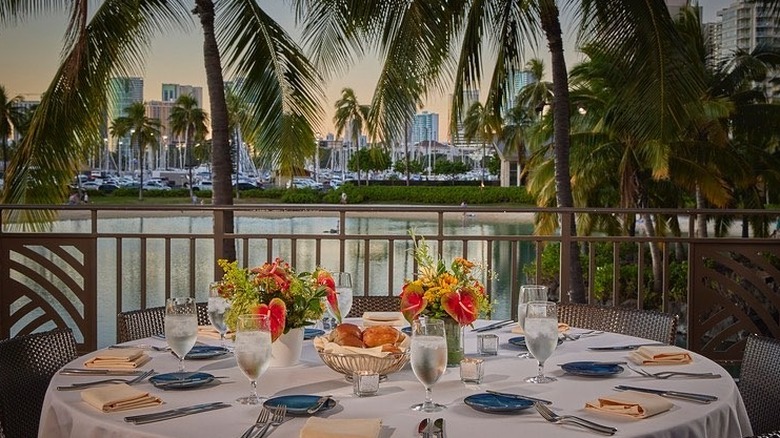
(30, 53)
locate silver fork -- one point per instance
(278, 418)
(262, 420)
(668, 374)
(552, 417)
(82, 385)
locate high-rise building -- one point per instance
(123, 91)
(171, 92)
(469, 98)
(744, 26)
(26, 106)
(712, 43)
(425, 127)
(519, 81)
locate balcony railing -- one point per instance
(97, 261)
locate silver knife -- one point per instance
(691, 396)
(175, 413)
(622, 347)
(320, 403)
(98, 372)
(493, 326)
(520, 396)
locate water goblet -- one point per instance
(541, 335)
(343, 281)
(217, 306)
(528, 293)
(253, 351)
(428, 358)
(181, 326)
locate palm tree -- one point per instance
(415, 39)
(481, 124)
(186, 117)
(282, 88)
(143, 132)
(350, 119)
(11, 116)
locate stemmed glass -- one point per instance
(253, 351)
(528, 293)
(541, 335)
(181, 326)
(343, 281)
(429, 358)
(217, 306)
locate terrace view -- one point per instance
(638, 184)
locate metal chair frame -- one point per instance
(139, 324)
(759, 384)
(380, 303)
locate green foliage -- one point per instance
(450, 195)
(415, 166)
(301, 196)
(452, 168)
(373, 158)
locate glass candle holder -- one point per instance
(472, 370)
(487, 344)
(365, 383)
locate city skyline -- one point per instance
(31, 54)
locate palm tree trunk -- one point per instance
(220, 148)
(655, 254)
(189, 156)
(141, 171)
(701, 220)
(406, 149)
(551, 25)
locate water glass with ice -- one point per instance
(181, 326)
(428, 358)
(541, 335)
(252, 351)
(217, 307)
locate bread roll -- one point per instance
(346, 331)
(350, 341)
(379, 335)
(391, 348)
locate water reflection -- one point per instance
(380, 280)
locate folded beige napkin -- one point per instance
(562, 327)
(660, 355)
(207, 331)
(119, 397)
(322, 343)
(317, 427)
(118, 358)
(395, 319)
(630, 403)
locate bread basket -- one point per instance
(347, 364)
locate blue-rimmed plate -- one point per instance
(200, 352)
(592, 369)
(497, 404)
(519, 341)
(298, 404)
(311, 333)
(180, 380)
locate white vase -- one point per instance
(286, 350)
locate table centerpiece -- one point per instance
(291, 300)
(453, 295)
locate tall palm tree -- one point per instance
(482, 125)
(143, 132)
(187, 118)
(10, 118)
(415, 39)
(282, 88)
(350, 119)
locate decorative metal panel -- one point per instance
(735, 293)
(48, 282)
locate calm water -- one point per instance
(377, 282)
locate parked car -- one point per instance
(245, 185)
(203, 185)
(108, 187)
(155, 185)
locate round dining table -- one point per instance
(64, 414)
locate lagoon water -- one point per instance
(377, 281)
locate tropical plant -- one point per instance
(481, 124)
(281, 87)
(187, 118)
(350, 119)
(143, 132)
(11, 116)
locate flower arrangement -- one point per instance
(441, 293)
(291, 299)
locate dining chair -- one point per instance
(772, 434)
(139, 324)
(27, 364)
(380, 303)
(759, 384)
(648, 324)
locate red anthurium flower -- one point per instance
(277, 313)
(333, 303)
(326, 279)
(461, 305)
(413, 301)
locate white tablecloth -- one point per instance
(65, 415)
